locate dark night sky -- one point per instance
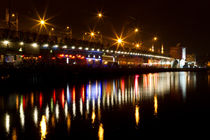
(173, 21)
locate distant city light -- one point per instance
(6, 42)
(55, 46)
(21, 43)
(73, 47)
(34, 45)
(45, 45)
(65, 47)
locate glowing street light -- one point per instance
(119, 41)
(42, 22)
(136, 30)
(13, 15)
(100, 15)
(92, 34)
(155, 38)
(137, 45)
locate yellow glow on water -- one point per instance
(93, 116)
(53, 120)
(14, 134)
(43, 128)
(155, 105)
(137, 115)
(101, 132)
(68, 122)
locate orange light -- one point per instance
(61, 55)
(53, 58)
(73, 57)
(66, 55)
(70, 56)
(40, 57)
(82, 57)
(79, 56)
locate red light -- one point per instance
(22, 55)
(83, 93)
(53, 58)
(66, 55)
(82, 57)
(24, 102)
(73, 57)
(54, 97)
(40, 100)
(62, 98)
(78, 56)
(40, 57)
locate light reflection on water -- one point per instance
(89, 101)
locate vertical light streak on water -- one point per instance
(35, 115)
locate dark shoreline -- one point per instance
(39, 78)
(50, 73)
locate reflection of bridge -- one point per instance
(89, 100)
(20, 47)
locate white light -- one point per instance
(47, 113)
(73, 47)
(98, 50)
(86, 49)
(94, 56)
(111, 51)
(107, 50)
(80, 48)
(57, 111)
(7, 123)
(65, 47)
(34, 45)
(21, 43)
(35, 115)
(67, 60)
(5, 42)
(22, 116)
(92, 49)
(45, 45)
(55, 46)
(20, 50)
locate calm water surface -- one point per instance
(158, 105)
